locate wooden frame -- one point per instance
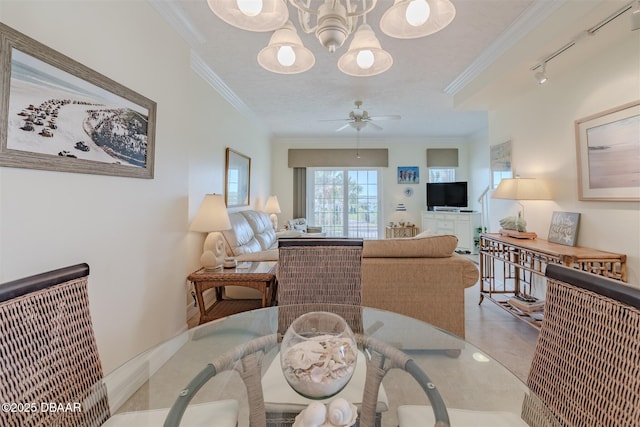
(56, 114)
(607, 147)
(237, 179)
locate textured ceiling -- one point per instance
(420, 86)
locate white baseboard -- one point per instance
(126, 380)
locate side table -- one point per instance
(256, 275)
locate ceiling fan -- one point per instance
(359, 118)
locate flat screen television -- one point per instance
(446, 194)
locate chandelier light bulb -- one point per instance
(250, 7)
(418, 12)
(365, 59)
(286, 56)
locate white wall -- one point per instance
(540, 122)
(407, 152)
(132, 232)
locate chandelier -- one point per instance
(332, 21)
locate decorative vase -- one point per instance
(318, 354)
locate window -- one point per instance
(344, 201)
(442, 175)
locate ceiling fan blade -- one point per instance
(334, 120)
(392, 117)
(375, 126)
(343, 127)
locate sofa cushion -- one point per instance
(424, 247)
(262, 228)
(240, 239)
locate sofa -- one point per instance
(251, 237)
(421, 277)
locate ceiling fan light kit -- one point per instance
(335, 21)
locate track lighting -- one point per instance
(541, 76)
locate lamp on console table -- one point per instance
(273, 207)
(212, 218)
(520, 189)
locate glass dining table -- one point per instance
(465, 377)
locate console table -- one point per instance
(519, 260)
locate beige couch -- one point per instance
(419, 277)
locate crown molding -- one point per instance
(175, 16)
(201, 68)
(526, 22)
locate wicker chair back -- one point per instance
(585, 369)
(48, 353)
(316, 272)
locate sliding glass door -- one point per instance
(344, 201)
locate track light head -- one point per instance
(541, 76)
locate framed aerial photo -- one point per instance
(500, 163)
(237, 179)
(56, 114)
(608, 147)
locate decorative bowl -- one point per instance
(318, 354)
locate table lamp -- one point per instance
(273, 207)
(521, 189)
(212, 217)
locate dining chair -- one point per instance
(584, 370)
(313, 272)
(247, 359)
(48, 351)
(48, 355)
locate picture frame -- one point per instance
(408, 175)
(500, 162)
(564, 228)
(607, 147)
(237, 179)
(57, 114)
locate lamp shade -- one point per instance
(365, 56)
(521, 189)
(272, 206)
(401, 22)
(212, 215)
(251, 15)
(285, 53)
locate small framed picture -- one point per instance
(408, 175)
(564, 228)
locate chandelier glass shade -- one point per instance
(285, 53)
(332, 22)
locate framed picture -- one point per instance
(56, 114)
(237, 179)
(500, 163)
(564, 228)
(607, 147)
(408, 175)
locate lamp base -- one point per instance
(213, 251)
(518, 234)
(274, 221)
